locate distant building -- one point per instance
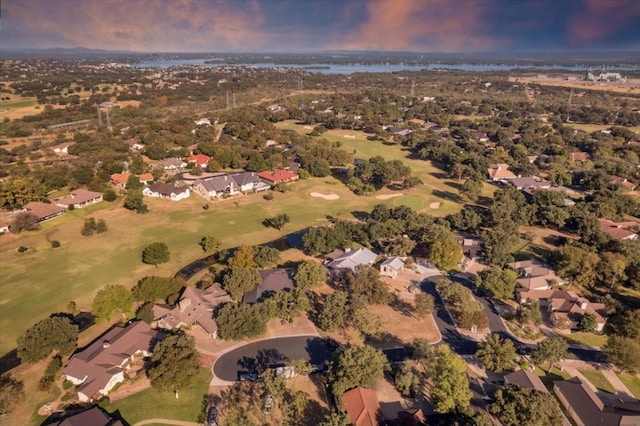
(500, 172)
(43, 211)
(351, 259)
(620, 230)
(391, 266)
(79, 198)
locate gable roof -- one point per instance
(362, 406)
(167, 188)
(394, 263)
(500, 171)
(352, 258)
(580, 156)
(92, 417)
(273, 280)
(216, 183)
(530, 182)
(172, 162)
(120, 178)
(245, 178)
(108, 355)
(199, 159)
(533, 275)
(43, 211)
(526, 379)
(619, 230)
(278, 176)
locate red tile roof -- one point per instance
(120, 178)
(199, 159)
(278, 176)
(362, 406)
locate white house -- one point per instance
(391, 266)
(166, 190)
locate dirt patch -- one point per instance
(435, 205)
(388, 196)
(325, 196)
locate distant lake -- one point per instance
(350, 69)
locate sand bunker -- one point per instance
(388, 196)
(325, 196)
(435, 205)
(349, 136)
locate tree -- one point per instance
(450, 389)
(134, 201)
(210, 243)
(278, 222)
(424, 304)
(336, 419)
(151, 289)
(497, 282)
(515, 406)
(240, 320)
(357, 366)
(109, 195)
(24, 221)
(240, 280)
(145, 313)
(174, 363)
(89, 227)
(53, 333)
(497, 354)
(11, 393)
(266, 257)
(407, 380)
(550, 351)
(445, 252)
(101, 226)
(624, 352)
(133, 182)
(335, 311)
(290, 303)
(310, 274)
(155, 254)
(366, 283)
(588, 323)
(243, 257)
(112, 298)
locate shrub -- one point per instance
(22, 249)
(55, 244)
(71, 207)
(205, 206)
(45, 383)
(109, 195)
(268, 196)
(67, 384)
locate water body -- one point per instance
(354, 68)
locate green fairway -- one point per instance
(154, 404)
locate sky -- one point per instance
(296, 26)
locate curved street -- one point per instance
(258, 356)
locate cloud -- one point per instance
(598, 20)
(420, 24)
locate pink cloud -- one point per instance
(420, 24)
(601, 18)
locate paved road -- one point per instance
(258, 356)
(465, 346)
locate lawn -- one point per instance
(632, 382)
(154, 404)
(598, 380)
(590, 128)
(551, 376)
(587, 339)
(18, 107)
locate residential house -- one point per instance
(215, 187)
(482, 137)
(203, 122)
(62, 148)
(94, 416)
(133, 144)
(195, 308)
(525, 379)
(533, 275)
(249, 181)
(616, 180)
(278, 176)
(43, 211)
(500, 172)
(362, 407)
(351, 259)
(166, 190)
(120, 179)
(586, 408)
(199, 160)
(146, 178)
(530, 182)
(471, 244)
(566, 308)
(398, 131)
(4, 227)
(580, 156)
(273, 281)
(79, 198)
(391, 266)
(620, 230)
(96, 369)
(413, 417)
(172, 164)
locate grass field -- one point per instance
(551, 376)
(587, 339)
(18, 107)
(598, 380)
(590, 128)
(633, 383)
(154, 404)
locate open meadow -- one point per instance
(44, 280)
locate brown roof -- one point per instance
(91, 417)
(79, 196)
(500, 171)
(109, 355)
(619, 230)
(43, 211)
(526, 379)
(580, 156)
(278, 176)
(413, 417)
(167, 189)
(362, 406)
(273, 280)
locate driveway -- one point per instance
(258, 356)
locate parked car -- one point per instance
(248, 377)
(212, 416)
